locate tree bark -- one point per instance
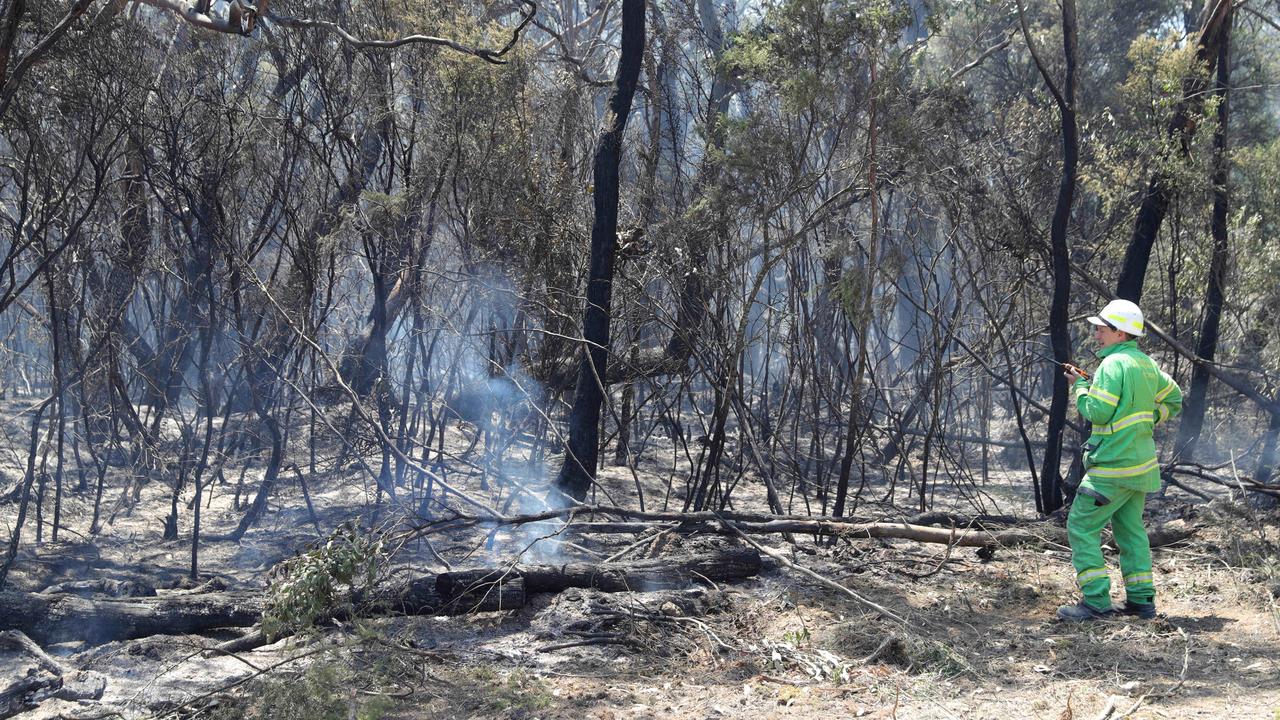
(1214, 27)
(854, 421)
(1050, 496)
(1197, 398)
(582, 448)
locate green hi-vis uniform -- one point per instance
(1126, 399)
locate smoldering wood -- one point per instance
(17, 640)
(53, 618)
(659, 573)
(416, 597)
(48, 678)
(963, 537)
(56, 618)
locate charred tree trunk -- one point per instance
(28, 479)
(1214, 27)
(1270, 455)
(582, 448)
(1198, 397)
(277, 339)
(1049, 498)
(851, 437)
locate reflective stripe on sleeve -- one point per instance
(1104, 396)
(1163, 411)
(1160, 396)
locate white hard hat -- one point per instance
(1121, 315)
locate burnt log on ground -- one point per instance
(665, 573)
(62, 617)
(49, 678)
(54, 618)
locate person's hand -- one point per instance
(1072, 373)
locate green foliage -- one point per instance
(801, 47)
(1138, 140)
(311, 586)
(324, 691)
(848, 291)
(798, 638)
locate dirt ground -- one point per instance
(978, 639)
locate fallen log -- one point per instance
(640, 575)
(416, 597)
(58, 618)
(49, 678)
(16, 640)
(61, 617)
(55, 618)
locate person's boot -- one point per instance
(1143, 611)
(1083, 612)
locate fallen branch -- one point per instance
(830, 527)
(878, 609)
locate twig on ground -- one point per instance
(642, 541)
(1182, 676)
(1133, 708)
(174, 711)
(936, 568)
(878, 609)
(220, 650)
(601, 640)
(1107, 709)
(1182, 679)
(890, 645)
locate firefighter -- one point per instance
(1125, 399)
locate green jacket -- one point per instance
(1127, 397)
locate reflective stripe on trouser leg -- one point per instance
(1092, 575)
(1084, 530)
(1135, 548)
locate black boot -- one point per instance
(1144, 611)
(1083, 612)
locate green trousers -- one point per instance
(1084, 529)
